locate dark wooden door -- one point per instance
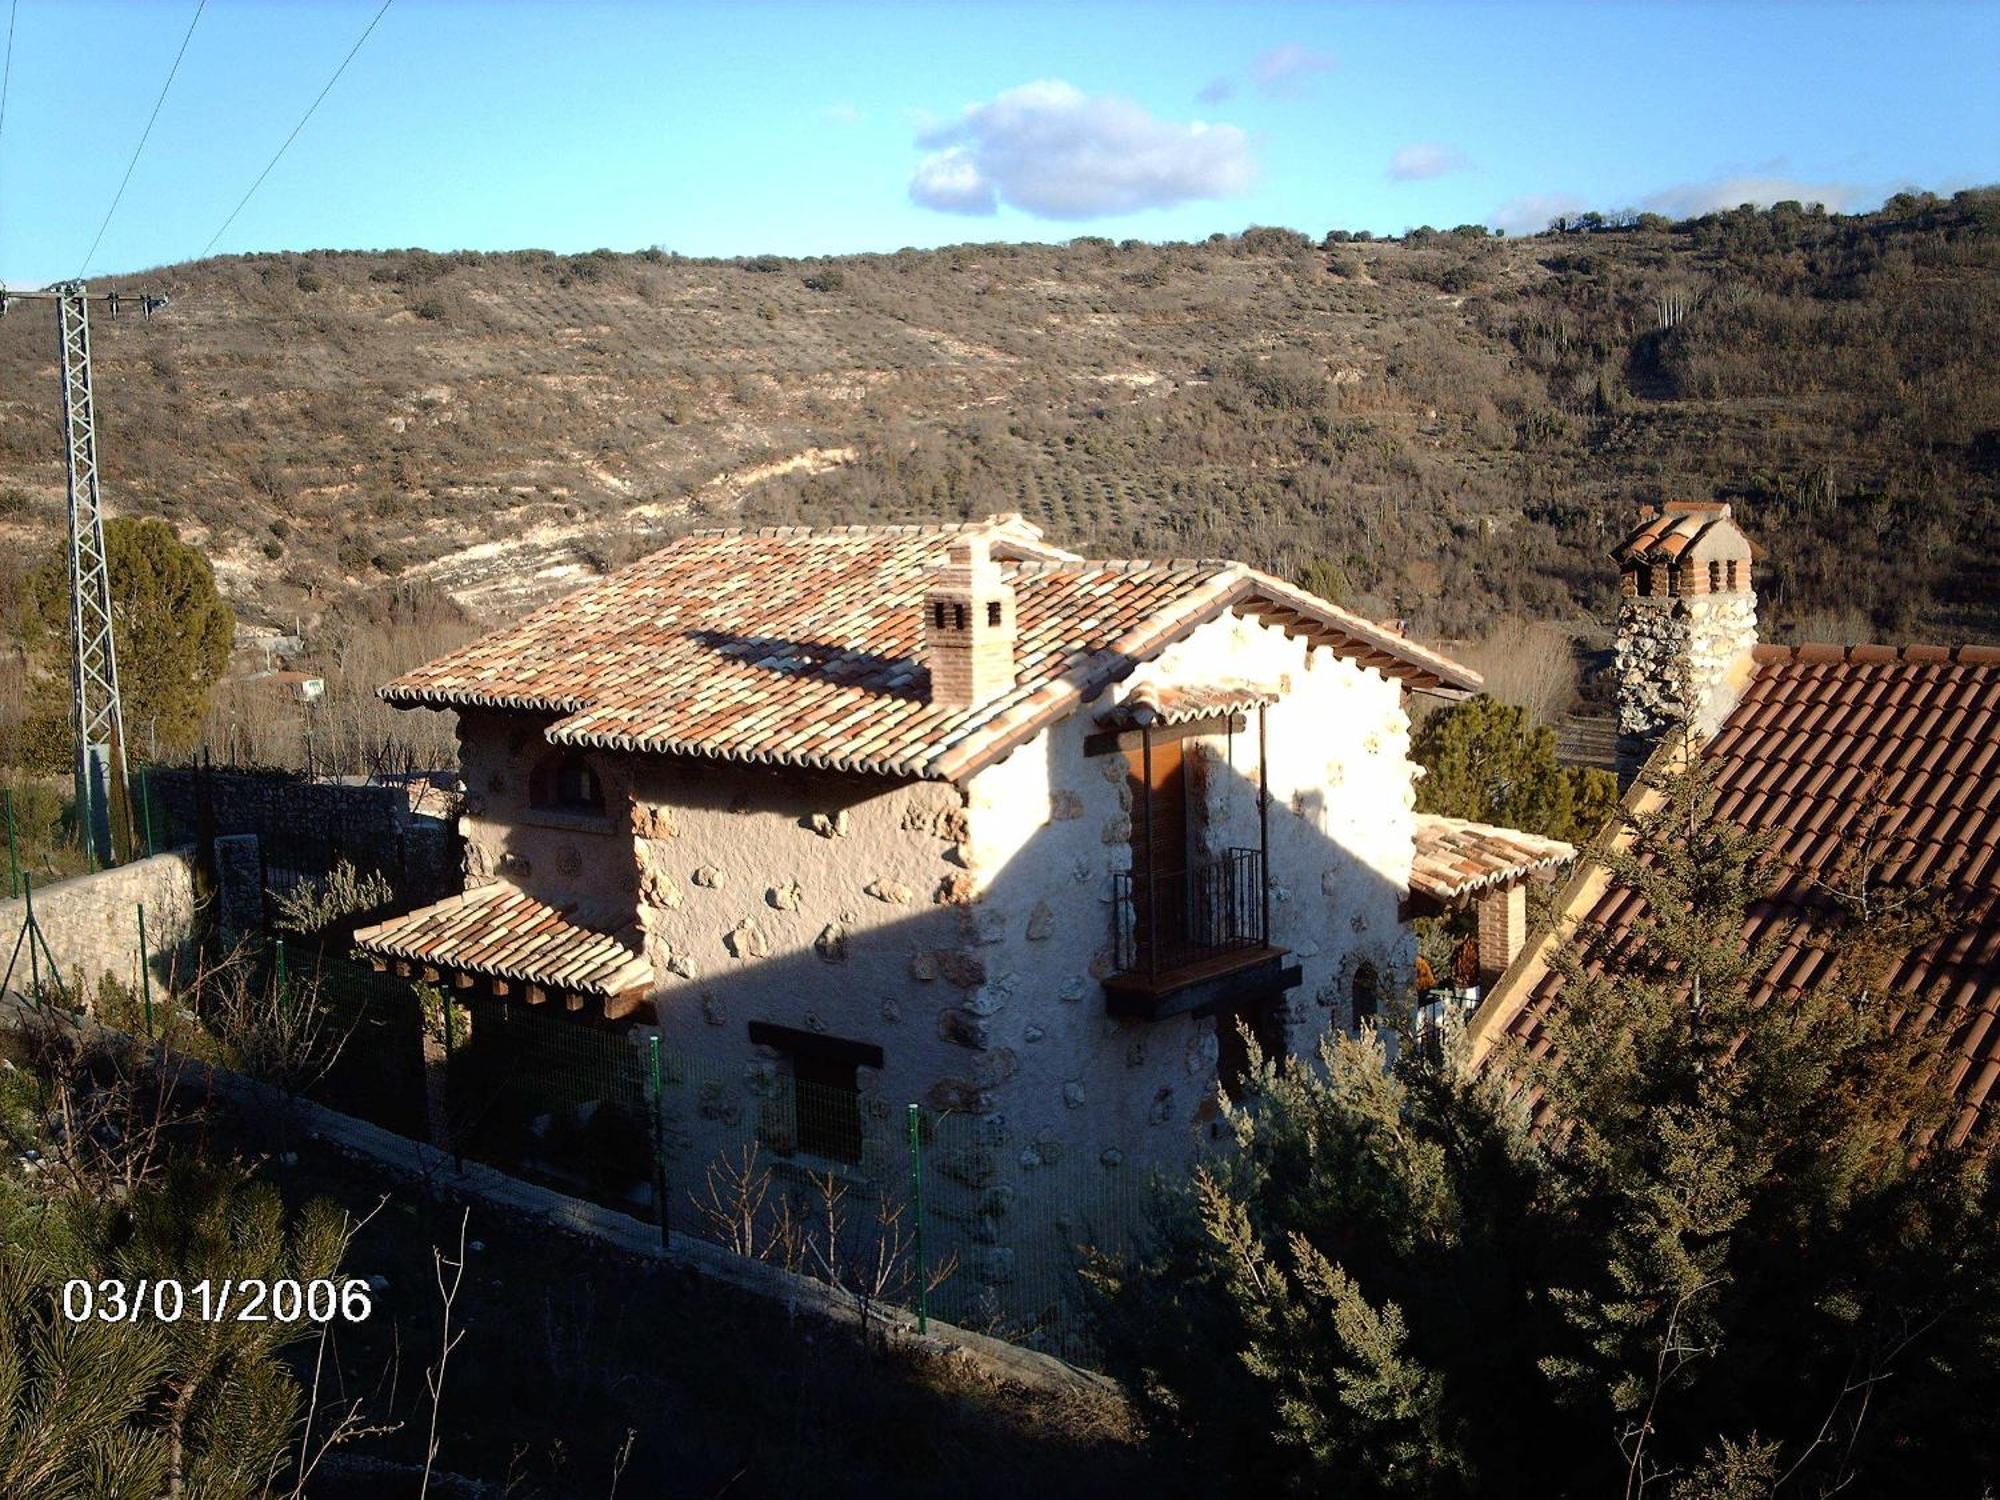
(1160, 835)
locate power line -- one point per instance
(296, 129)
(118, 196)
(7, 77)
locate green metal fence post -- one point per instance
(917, 1217)
(146, 809)
(13, 857)
(145, 972)
(34, 957)
(659, 1137)
(284, 986)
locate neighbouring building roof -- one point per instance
(502, 931)
(795, 646)
(1152, 703)
(1674, 529)
(1457, 858)
(1827, 745)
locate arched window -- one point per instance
(1367, 992)
(565, 782)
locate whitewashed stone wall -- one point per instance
(965, 932)
(558, 857)
(1671, 648)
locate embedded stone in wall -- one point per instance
(708, 877)
(683, 965)
(1073, 1095)
(745, 941)
(653, 822)
(948, 824)
(1202, 1052)
(996, 1067)
(476, 864)
(1073, 989)
(973, 1166)
(515, 866)
(1111, 1156)
(893, 892)
(1117, 831)
(961, 967)
(785, 897)
(1163, 1106)
(1135, 1053)
(1064, 806)
(1112, 768)
(984, 925)
(829, 826)
(761, 1079)
(713, 1010)
(964, 1029)
(568, 860)
(956, 889)
(831, 944)
(1033, 1034)
(1102, 964)
(1041, 922)
(962, 1096)
(990, 999)
(892, 1011)
(923, 967)
(658, 888)
(991, 1264)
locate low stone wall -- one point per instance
(91, 923)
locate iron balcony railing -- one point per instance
(1171, 919)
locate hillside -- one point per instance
(1449, 424)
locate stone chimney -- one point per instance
(969, 627)
(1687, 619)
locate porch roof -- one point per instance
(502, 931)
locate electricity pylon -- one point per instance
(101, 802)
(103, 807)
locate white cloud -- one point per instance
(1424, 159)
(1531, 212)
(1283, 71)
(1688, 200)
(1058, 153)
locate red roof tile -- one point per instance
(799, 646)
(1456, 857)
(500, 930)
(1929, 776)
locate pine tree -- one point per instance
(1716, 1242)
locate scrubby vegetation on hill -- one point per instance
(1453, 422)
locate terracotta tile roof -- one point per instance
(1826, 741)
(1676, 527)
(1457, 857)
(500, 930)
(1150, 703)
(802, 647)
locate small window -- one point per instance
(826, 1104)
(1644, 578)
(1367, 993)
(566, 783)
(937, 614)
(826, 1090)
(1715, 578)
(993, 612)
(958, 616)
(1733, 585)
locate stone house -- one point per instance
(856, 817)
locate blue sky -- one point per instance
(832, 127)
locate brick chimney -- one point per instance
(969, 627)
(1687, 620)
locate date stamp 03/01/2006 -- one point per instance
(168, 1300)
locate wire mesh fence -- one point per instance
(797, 1163)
